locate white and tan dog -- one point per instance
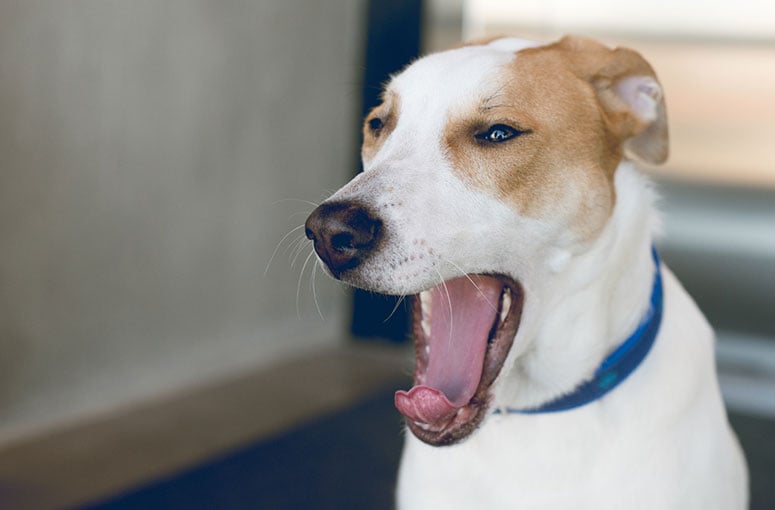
(499, 189)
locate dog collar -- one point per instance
(616, 367)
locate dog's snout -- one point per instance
(344, 233)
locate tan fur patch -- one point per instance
(574, 133)
(387, 113)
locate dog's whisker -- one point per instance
(297, 249)
(478, 289)
(274, 253)
(295, 245)
(314, 292)
(313, 204)
(449, 304)
(299, 213)
(298, 284)
(398, 303)
(451, 316)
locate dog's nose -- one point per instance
(344, 233)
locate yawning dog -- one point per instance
(559, 364)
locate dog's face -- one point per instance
(485, 167)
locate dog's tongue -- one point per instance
(462, 315)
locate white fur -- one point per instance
(658, 441)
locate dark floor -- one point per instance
(332, 463)
(345, 468)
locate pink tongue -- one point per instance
(457, 344)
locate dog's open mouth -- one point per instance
(463, 331)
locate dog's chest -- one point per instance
(570, 464)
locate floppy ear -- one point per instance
(630, 96)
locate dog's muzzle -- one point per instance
(344, 234)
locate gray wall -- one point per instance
(147, 150)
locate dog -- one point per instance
(559, 363)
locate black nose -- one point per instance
(344, 233)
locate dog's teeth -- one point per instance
(506, 305)
(424, 426)
(425, 300)
(425, 305)
(426, 325)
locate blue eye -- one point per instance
(499, 133)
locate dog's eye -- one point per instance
(376, 124)
(499, 133)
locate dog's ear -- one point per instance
(630, 95)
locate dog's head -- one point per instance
(484, 168)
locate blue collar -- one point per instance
(616, 367)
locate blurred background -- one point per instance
(165, 338)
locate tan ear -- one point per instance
(630, 95)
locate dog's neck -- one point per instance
(583, 310)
